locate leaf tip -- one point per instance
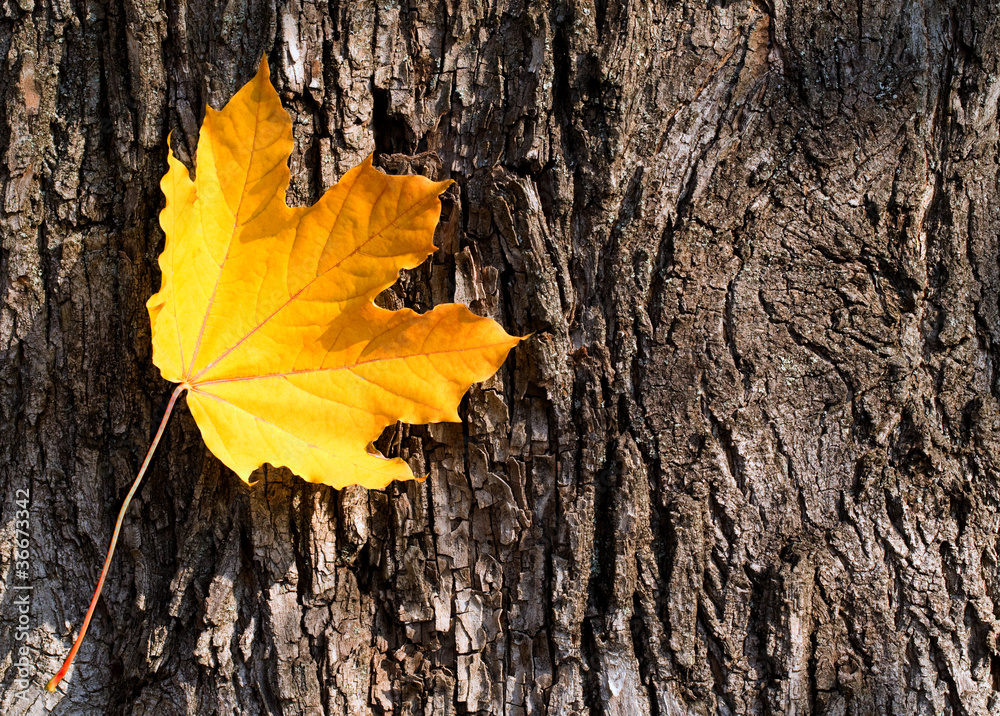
(263, 70)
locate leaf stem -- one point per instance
(54, 681)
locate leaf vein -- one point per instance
(388, 359)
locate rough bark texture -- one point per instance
(746, 464)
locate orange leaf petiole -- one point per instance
(54, 681)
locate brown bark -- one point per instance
(746, 464)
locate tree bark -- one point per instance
(746, 463)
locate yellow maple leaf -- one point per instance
(265, 314)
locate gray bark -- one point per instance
(746, 464)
